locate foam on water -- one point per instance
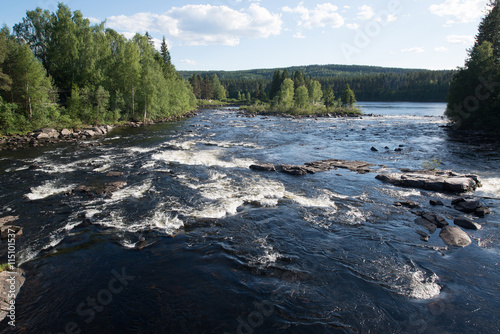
(269, 255)
(490, 188)
(208, 158)
(137, 191)
(49, 188)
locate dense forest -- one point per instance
(473, 102)
(370, 83)
(56, 69)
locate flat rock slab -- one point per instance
(18, 278)
(432, 180)
(427, 224)
(263, 167)
(455, 236)
(315, 167)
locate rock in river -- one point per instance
(455, 236)
(432, 180)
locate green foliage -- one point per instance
(5, 267)
(101, 76)
(473, 100)
(348, 99)
(286, 93)
(431, 165)
(301, 96)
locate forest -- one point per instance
(474, 98)
(58, 70)
(371, 83)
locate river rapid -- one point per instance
(196, 242)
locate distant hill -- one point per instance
(316, 71)
(370, 83)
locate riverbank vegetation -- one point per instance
(58, 70)
(473, 101)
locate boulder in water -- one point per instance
(455, 236)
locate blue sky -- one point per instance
(248, 34)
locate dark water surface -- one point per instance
(198, 243)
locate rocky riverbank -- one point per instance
(48, 136)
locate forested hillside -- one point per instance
(370, 83)
(56, 69)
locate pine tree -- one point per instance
(348, 99)
(473, 99)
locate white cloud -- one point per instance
(94, 20)
(441, 49)
(391, 18)
(413, 50)
(204, 24)
(460, 39)
(323, 15)
(459, 11)
(352, 26)
(189, 62)
(299, 35)
(365, 12)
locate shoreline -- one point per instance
(49, 136)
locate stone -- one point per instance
(11, 229)
(89, 133)
(467, 206)
(114, 174)
(374, 149)
(263, 167)
(42, 135)
(293, 170)
(114, 186)
(66, 133)
(429, 180)
(467, 224)
(423, 236)
(407, 204)
(427, 224)
(459, 184)
(482, 211)
(455, 236)
(5, 288)
(435, 219)
(436, 202)
(8, 219)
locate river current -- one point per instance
(196, 242)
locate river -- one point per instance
(196, 242)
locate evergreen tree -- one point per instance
(348, 98)
(473, 99)
(165, 53)
(329, 98)
(275, 84)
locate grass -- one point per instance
(5, 267)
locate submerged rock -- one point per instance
(427, 224)
(407, 204)
(455, 236)
(316, 166)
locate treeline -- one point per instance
(370, 83)
(207, 88)
(56, 69)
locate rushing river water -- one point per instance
(198, 243)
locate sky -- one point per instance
(250, 34)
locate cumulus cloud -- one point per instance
(413, 50)
(365, 12)
(459, 11)
(460, 39)
(204, 24)
(441, 49)
(189, 62)
(299, 35)
(323, 15)
(352, 26)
